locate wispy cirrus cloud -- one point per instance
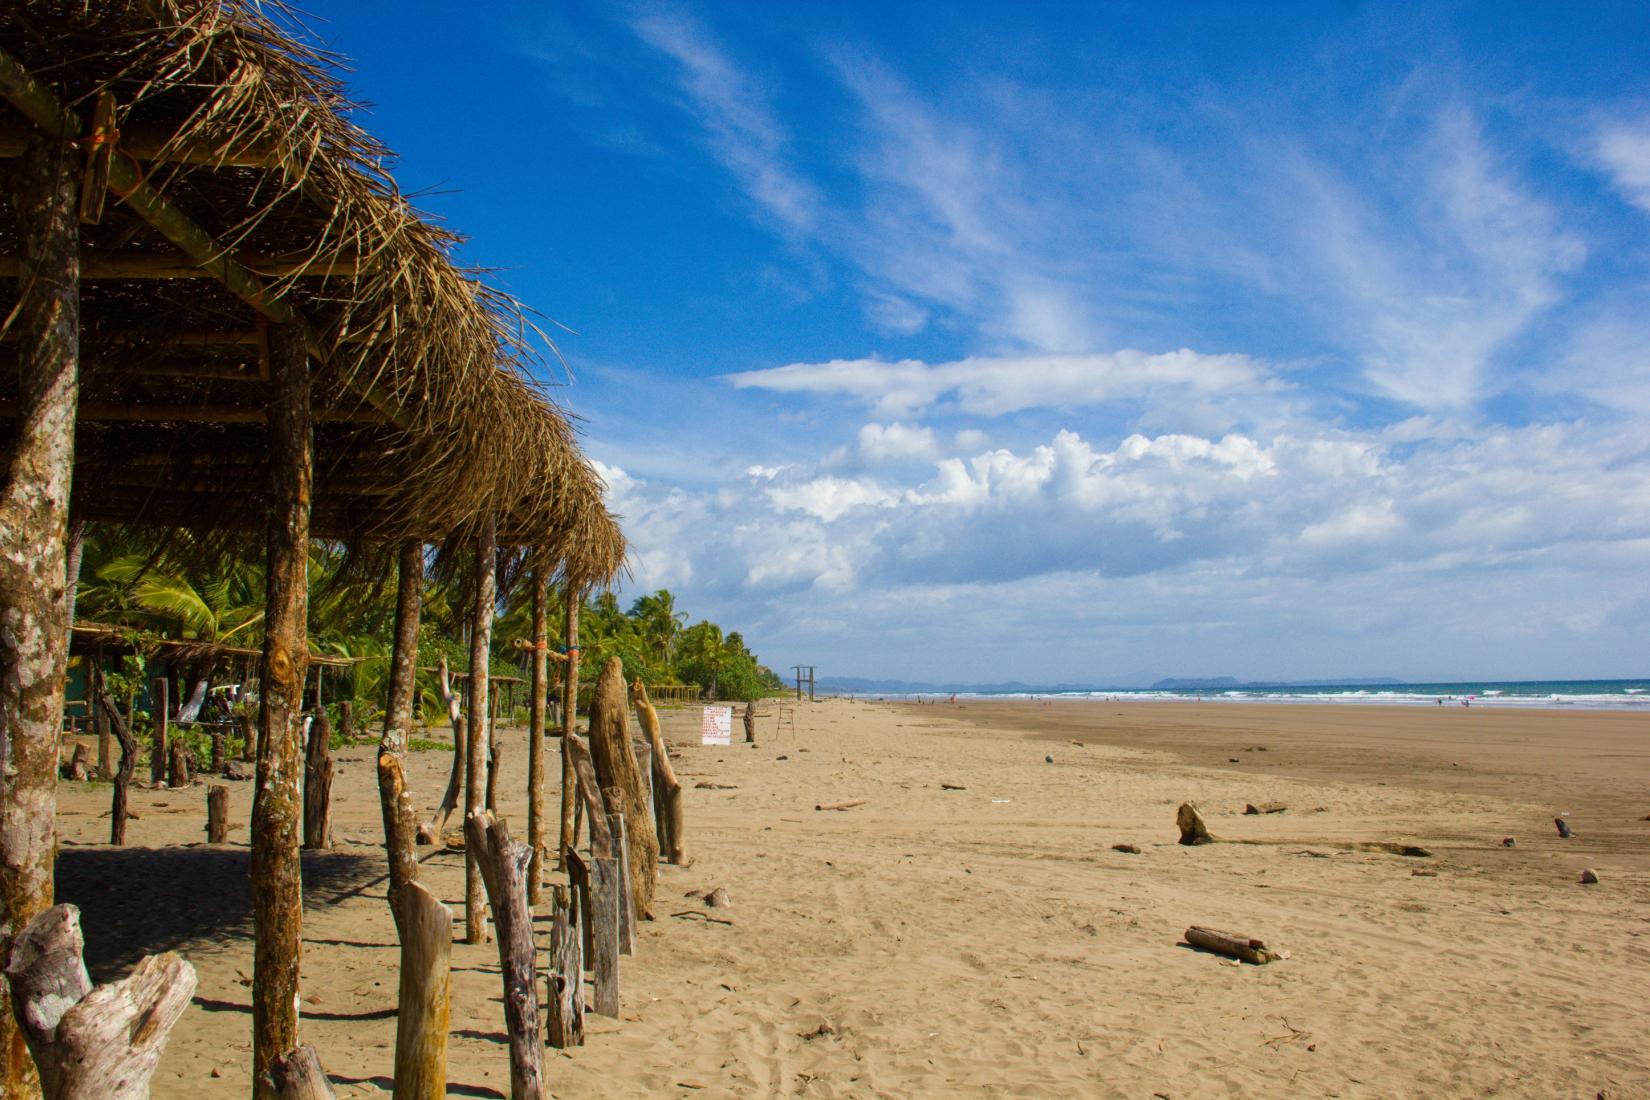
(1622, 149)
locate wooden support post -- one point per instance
(621, 781)
(219, 750)
(535, 736)
(495, 752)
(217, 814)
(644, 764)
(105, 744)
(578, 880)
(455, 778)
(425, 1001)
(750, 723)
(627, 903)
(667, 789)
(607, 891)
(128, 762)
(297, 1075)
(160, 689)
(246, 719)
(277, 895)
(318, 783)
(569, 713)
(179, 766)
(34, 509)
(395, 803)
(475, 764)
(92, 1044)
(346, 721)
(503, 863)
(564, 987)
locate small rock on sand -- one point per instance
(1589, 877)
(1048, 759)
(1131, 849)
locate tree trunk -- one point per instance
(217, 814)
(128, 762)
(161, 688)
(92, 1044)
(34, 511)
(455, 779)
(105, 744)
(179, 766)
(297, 1075)
(277, 896)
(565, 984)
(618, 774)
(535, 738)
(495, 753)
(247, 721)
(346, 721)
(318, 784)
(503, 865)
(219, 752)
(667, 789)
(475, 778)
(569, 715)
(425, 1001)
(395, 804)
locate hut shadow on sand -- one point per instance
(141, 901)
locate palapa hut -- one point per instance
(220, 314)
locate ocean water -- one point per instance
(1590, 694)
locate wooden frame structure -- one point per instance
(222, 316)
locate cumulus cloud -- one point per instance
(880, 444)
(992, 386)
(1623, 150)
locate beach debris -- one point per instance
(707, 785)
(1001, 801)
(782, 757)
(1048, 759)
(1190, 822)
(822, 1030)
(700, 914)
(297, 1075)
(1563, 828)
(1079, 744)
(1422, 872)
(76, 768)
(1508, 842)
(1131, 849)
(1264, 808)
(1589, 877)
(848, 805)
(717, 898)
(1233, 760)
(952, 787)
(1414, 851)
(238, 770)
(1246, 948)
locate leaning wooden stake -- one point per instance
(425, 1002)
(569, 713)
(607, 891)
(1224, 943)
(564, 985)
(667, 789)
(318, 783)
(1192, 830)
(394, 802)
(92, 1044)
(297, 1075)
(627, 907)
(158, 747)
(455, 780)
(621, 781)
(589, 795)
(475, 756)
(503, 865)
(217, 814)
(535, 737)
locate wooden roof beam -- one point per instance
(152, 143)
(167, 265)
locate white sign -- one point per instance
(717, 726)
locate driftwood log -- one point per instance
(220, 751)
(92, 1044)
(848, 805)
(424, 1005)
(667, 789)
(1264, 808)
(607, 892)
(503, 866)
(564, 980)
(621, 780)
(749, 718)
(627, 910)
(1190, 822)
(246, 720)
(105, 744)
(297, 1075)
(217, 814)
(318, 783)
(588, 794)
(1247, 948)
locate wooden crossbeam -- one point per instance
(168, 265)
(117, 412)
(151, 144)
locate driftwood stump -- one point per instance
(620, 778)
(396, 806)
(297, 1075)
(1190, 822)
(564, 981)
(318, 783)
(246, 720)
(589, 797)
(179, 767)
(627, 910)
(220, 751)
(425, 1001)
(503, 865)
(128, 763)
(749, 718)
(157, 748)
(76, 768)
(607, 892)
(667, 789)
(92, 1044)
(105, 744)
(346, 721)
(455, 779)
(217, 814)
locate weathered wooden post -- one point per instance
(277, 897)
(395, 803)
(475, 785)
(564, 987)
(91, 1043)
(503, 863)
(219, 753)
(535, 736)
(160, 689)
(217, 814)
(318, 783)
(425, 999)
(495, 750)
(297, 1075)
(606, 895)
(621, 781)
(34, 509)
(667, 789)
(749, 718)
(346, 720)
(627, 898)
(179, 766)
(105, 743)
(569, 712)
(128, 763)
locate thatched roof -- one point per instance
(233, 127)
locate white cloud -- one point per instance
(884, 443)
(998, 385)
(1623, 150)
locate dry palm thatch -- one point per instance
(425, 410)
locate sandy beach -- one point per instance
(988, 940)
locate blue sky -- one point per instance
(1079, 342)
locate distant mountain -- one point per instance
(1230, 683)
(861, 685)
